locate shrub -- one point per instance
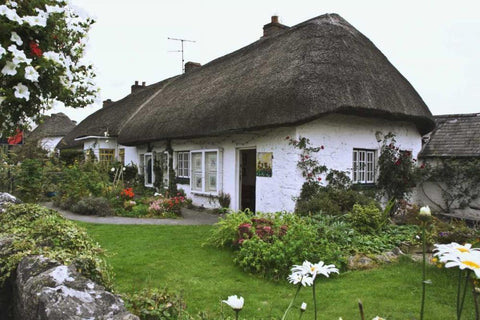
(95, 206)
(38, 230)
(271, 253)
(367, 218)
(155, 304)
(225, 234)
(331, 201)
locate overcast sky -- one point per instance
(434, 44)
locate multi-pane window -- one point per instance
(363, 166)
(183, 160)
(106, 155)
(204, 171)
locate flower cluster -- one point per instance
(457, 255)
(308, 164)
(41, 52)
(262, 228)
(307, 272)
(165, 204)
(127, 193)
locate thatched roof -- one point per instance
(318, 67)
(456, 136)
(56, 125)
(111, 117)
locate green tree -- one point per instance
(42, 44)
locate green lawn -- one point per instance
(173, 257)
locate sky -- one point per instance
(434, 44)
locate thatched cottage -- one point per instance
(321, 79)
(51, 130)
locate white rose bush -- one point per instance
(42, 44)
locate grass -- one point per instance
(173, 257)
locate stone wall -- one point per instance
(45, 289)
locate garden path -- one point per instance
(190, 217)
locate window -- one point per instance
(183, 159)
(148, 169)
(106, 155)
(363, 166)
(204, 171)
(121, 156)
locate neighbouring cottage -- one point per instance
(456, 137)
(98, 133)
(224, 124)
(51, 131)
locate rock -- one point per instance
(360, 262)
(46, 289)
(7, 198)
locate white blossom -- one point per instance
(2, 51)
(54, 9)
(51, 55)
(10, 69)
(10, 14)
(16, 38)
(21, 91)
(39, 20)
(31, 74)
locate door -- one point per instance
(248, 179)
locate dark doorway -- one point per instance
(248, 159)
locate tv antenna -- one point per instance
(182, 41)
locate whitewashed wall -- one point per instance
(339, 134)
(95, 144)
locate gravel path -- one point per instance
(190, 217)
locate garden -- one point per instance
(341, 249)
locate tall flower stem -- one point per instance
(423, 270)
(291, 302)
(314, 299)
(460, 309)
(236, 314)
(459, 288)
(475, 301)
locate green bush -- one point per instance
(93, 206)
(331, 201)
(79, 181)
(155, 304)
(367, 218)
(38, 230)
(226, 232)
(273, 257)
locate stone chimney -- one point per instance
(107, 102)
(135, 87)
(190, 66)
(274, 27)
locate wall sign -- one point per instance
(264, 164)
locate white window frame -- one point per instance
(363, 170)
(218, 177)
(183, 165)
(145, 168)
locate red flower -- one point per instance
(287, 137)
(35, 49)
(397, 162)
(322, 147)
(422, 166)
(319, 179)
(306, 157)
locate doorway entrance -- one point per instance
(247, 174)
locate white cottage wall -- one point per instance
(339, 134)
(95, 144)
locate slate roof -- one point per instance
(456, 135)
(56, 125)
